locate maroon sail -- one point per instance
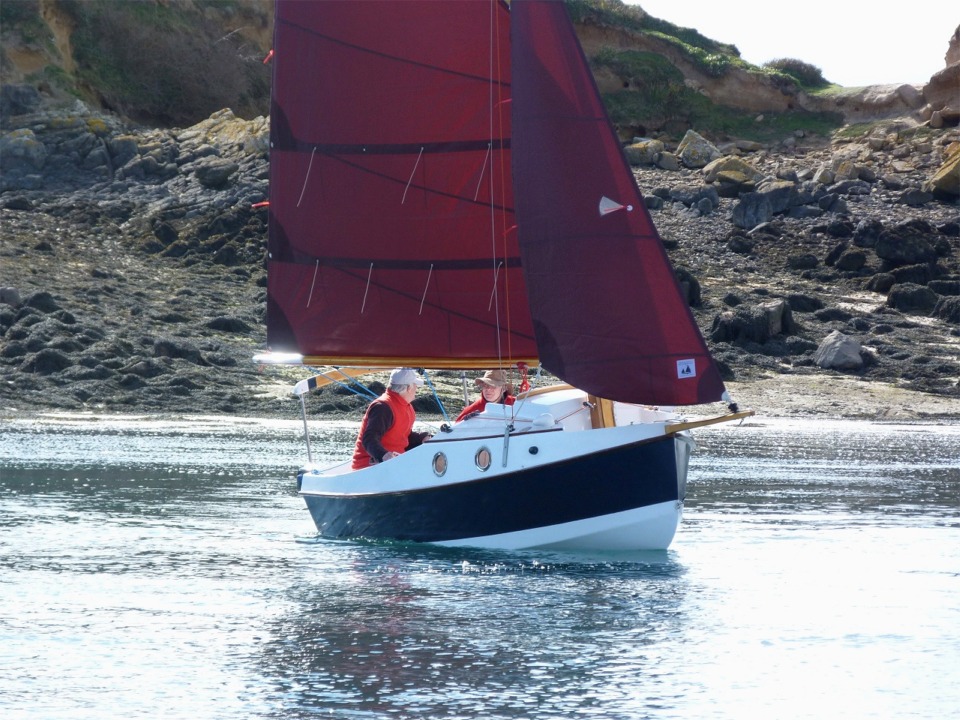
(608, 314)
(403, 133)
(392, 235)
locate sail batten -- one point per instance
(371, 148)
(465, 264)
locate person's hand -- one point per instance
(389, 456)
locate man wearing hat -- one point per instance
(494, 388)
(387, 427)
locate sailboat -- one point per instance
(447, 192)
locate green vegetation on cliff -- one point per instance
(164, 63)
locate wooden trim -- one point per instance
(328, 377)
(681, 426)
(433, 363)
(543, 390)
(601, 415)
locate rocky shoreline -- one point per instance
(132, 272)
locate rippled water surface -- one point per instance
(168, 569)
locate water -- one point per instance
(152, 569)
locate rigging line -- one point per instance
(504, 99)
(412, 172)
(494, 96)
(493, 293)
(436, 396)
(425, 288)
(483, 168)
(313, 282)
(307, 176)
(367, 289)
(363, 392)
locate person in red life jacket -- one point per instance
(387, 427)
(494, 388)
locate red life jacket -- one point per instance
(480, 403)
(396, 438)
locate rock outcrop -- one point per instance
(132, 262)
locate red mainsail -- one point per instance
(392, 235)
(403, 133)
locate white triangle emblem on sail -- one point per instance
(608, 206)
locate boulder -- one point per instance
(944, 184)
(838, 352)
(230, 324)
(753, 209)
(906, 244)
(46, 362)
(695, 151)
(757, 324)
(948, 309)
(18, 99)
(866, 232)
(940, 92)
(20, 150)
(803, 261)
(735, 165)
(215, 173)
(911, 298)
(781, 194)
(851, 260)
(9, 296)
(644, 152)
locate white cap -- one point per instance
(405, 376)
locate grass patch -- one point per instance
(658, 99)
(675, 110)
(806, 75)
(55, 76)
(861, 130)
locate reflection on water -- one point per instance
(853, 468)
(447, 633)
(169, 569)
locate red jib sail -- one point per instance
(608, 313)
(395, 165)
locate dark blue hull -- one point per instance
(623, 478)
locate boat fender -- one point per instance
(544, 420)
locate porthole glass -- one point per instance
(483, 458)
(439, 464)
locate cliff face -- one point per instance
(942, 93)
(130, 58)
(165, 62)
(938, 101)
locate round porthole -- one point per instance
(483, 458)
(439, 464)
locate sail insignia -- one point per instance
(608, 206)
